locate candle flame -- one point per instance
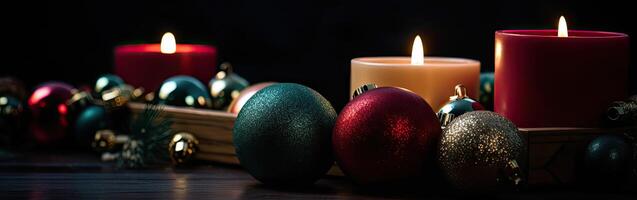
(417, 52)
(168, 43)
(562, 29)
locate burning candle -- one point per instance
(433, 78)
(147, 65)
(559, 78)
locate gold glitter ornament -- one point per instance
(183, 147)
(478, 151)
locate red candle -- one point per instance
(147, 65)
(546, 80)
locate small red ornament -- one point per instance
(49, 109)
(385, 135)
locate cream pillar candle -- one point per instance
(433, 79)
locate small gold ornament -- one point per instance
(104, 140)
(182, 148)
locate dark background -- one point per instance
(308, 42)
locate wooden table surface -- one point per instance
(40, 176)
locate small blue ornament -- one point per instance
(486, 90)
(184, 91)
(107, 82)
(225, 87)
(458, 104)
(608, 160)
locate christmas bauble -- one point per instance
(104, 140)
(12, 119)
(385, 135)
(10, 86)
(107, 82)
(608, 161)
(49, 111)
(89, 121)
(459, 104)
(225, 87)
(183, 91)
(182, 148)
(246, 94)
(476, 147)
(486, 90)
(283, 135)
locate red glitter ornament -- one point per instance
(385, 135)
(48, 105)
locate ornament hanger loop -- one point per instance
(461, 92)
(362, 89)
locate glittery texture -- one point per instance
(282, 135)
(475, 147)
(385, 135)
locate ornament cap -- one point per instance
(460, 92)
(364, 88)
(624, 112)
(513, 174)
(458, 104)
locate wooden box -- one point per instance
(552, 156)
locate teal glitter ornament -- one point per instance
(283, 135)
(486, 90)
(89, 121)
(225, 87)
(184, 91)
(107, 82)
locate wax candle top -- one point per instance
(168, 45)
(572, 34)
(156, 48)
(406, 62)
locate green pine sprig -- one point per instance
(149, 138)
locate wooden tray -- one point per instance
(552, 157)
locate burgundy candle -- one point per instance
(147, 65)
(542, 80)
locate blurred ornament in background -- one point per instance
(386, 135)
(107, 82)
(478, 152)
(10, 86)
(225, 86)
(78, 102)
(89, 121)
(486, 90)
(184, 91)
(50, 113)
(458, 104)
(106, 140)
(12, 119)
(103, 140)
(182, 148)
(246, 94)
(283, 135)
(609, 161)
(623, 113)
